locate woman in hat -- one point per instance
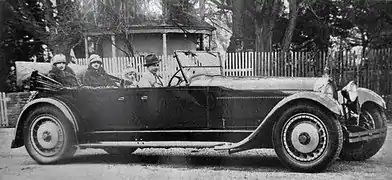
(62, 73)
(150, 78)
(129, 75)
(95, 75)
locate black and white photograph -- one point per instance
(195, 89)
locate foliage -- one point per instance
(32, 25)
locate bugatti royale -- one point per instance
(307, 121)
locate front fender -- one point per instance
(323, 99)
(18, 136)
(367, 95)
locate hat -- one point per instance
(94, 58)
(151, 59)
(58, 58)
(128, 70)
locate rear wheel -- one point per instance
(48, 135)
(371, 117)
(120, 151)
(306, 138)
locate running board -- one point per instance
(366, 135)
(154, 144)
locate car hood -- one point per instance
(259, 83)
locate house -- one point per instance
(161, 37)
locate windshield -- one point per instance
(199, 63)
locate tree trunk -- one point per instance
(269, 10)
(291, 26)
(202, 9)
(238, 10)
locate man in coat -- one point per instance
(150, 78)
(95, 75)
(62, 73)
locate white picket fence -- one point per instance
(233, 64)
(115, 66)
(3, 110)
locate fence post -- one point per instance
(3, 110)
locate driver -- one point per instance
(150, 78)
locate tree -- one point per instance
(293, 14)
(66, 25)
(5, 13)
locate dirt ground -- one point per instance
(180, 164)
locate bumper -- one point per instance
(367, 135)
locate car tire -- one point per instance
(120, 151)
(48, 136)
(364, 150)
(307, 138)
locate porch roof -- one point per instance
(184, 25)
(148, 29)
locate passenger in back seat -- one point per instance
(62, 73)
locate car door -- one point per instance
(103, 109)
(172, 108)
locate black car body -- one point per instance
(307, 121)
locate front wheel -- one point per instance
(306, 138)
(48, 135)
(371, 117)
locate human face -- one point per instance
(60, 66)
(131, 76)
(96, 65)
(153, 68)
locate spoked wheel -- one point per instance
(307, 139)
(48, 135)
(371, 117)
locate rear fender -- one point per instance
(320, 98)
(367, 95)
(18, 136)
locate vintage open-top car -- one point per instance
(307, 121)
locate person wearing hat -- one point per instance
(150, 78)
(95, 75)
(62, 73)
(129, 75)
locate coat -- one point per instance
(149, 79)
(96, 78)
(66, 77)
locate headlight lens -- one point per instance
(350, 91)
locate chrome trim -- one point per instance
(154, 144)
(173, 131)
(249, 97)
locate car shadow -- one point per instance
(185, 161)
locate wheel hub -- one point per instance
(48, 135)
(304, 138)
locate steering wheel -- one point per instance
(180, 79)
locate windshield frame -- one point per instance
(194, 54)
